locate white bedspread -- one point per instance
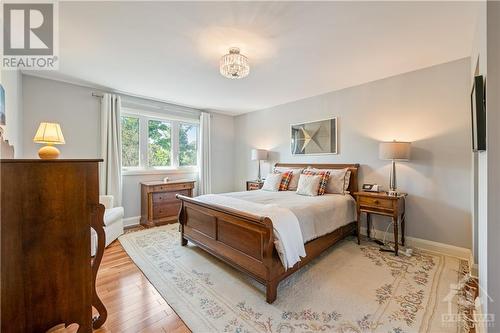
(314, 216)
(287, 234)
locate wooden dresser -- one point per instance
(158, 202)
(47, 274)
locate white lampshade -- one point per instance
(394, 150)
(259, 155)
(49, 133)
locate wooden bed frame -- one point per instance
(246, 241)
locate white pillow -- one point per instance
(308, 185)
(338, 183)
(272, 182)
(292, 186)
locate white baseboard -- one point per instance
(450, 250)
(131, 221)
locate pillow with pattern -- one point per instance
(285, 179)
(325, 175)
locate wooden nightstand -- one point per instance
(254, 185)
(382, 204)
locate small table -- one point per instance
(254, 185)
(381, 203)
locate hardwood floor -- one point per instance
(133, 303)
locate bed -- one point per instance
(246, 241)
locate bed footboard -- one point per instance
(244, 241)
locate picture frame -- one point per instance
(2, 106)
(317, 137)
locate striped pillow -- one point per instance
(324, 179)
(285, 180)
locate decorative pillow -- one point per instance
(347, 180)
(309, 184)
(325, 175)
(285, 180)
(292, 186)
(338, 183)
(272, 182)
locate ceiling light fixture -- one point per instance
(234, 65)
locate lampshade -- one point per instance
(259, 155)
(394, 150)
(49, 133)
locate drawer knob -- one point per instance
(376, 202)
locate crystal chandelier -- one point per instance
(234, 65)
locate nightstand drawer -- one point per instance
(375, 202)
(253, 186)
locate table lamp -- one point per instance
(50, 134)
(259, 155)
(394, 151)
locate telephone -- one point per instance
(372, 188)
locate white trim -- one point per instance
(152, 171)
(449, 250)
(131, 221)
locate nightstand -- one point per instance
(382, 204)
(254, 185)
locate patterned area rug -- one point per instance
(349, 288)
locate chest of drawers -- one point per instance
(158, 202)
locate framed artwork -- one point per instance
(2, 106)
(315, 137)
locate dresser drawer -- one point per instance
(172, 187)
(375, 202)
(161, 197)
(166, 209)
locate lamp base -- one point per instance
(48, 152)
(392, 193)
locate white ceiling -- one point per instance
(170, 50)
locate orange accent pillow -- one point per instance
(285, 180)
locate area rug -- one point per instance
(350, 288)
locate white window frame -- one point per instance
(144, 118)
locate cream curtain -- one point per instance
(111, 152)
(205, 186)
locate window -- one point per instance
(188, 144)
(152, 142)
(130, 141)
(159, 143)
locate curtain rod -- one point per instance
(97, 95)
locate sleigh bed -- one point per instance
(245, 241)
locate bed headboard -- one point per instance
(353, 183)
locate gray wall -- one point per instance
(70, 105)
(429, 107)
(78, 113)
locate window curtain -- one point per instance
(111, 152)
(205, 185)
